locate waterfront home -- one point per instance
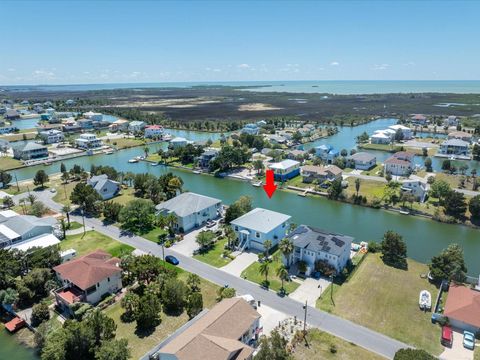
(327, 153)
(11, 114)
(70, 102)
(85, 124)
(119, 125)
(419, 119)
(460, 135)
(93, 116)
(223, 333)
(380, 137)
(454, 147)
(251, 129)
(87, 279)
(400, 164)
(406, 131)
(259, 225)
(3, 110)
(287, 134)
(153, 131)
(51, 136)
(276, 139)
(207, 156)
(6, 129)
(178, 142)
(462, 308)
(105, 187)
(452, 120)
(38, 108)
(320, 173)
(285, 170)
(361, 161)
(25, 103)
(88, 141)
(191, 210)
(298, 155)
(30, 150)
(312, 245)
(261, 123)
(24, 230)
(136, 126)
(415, 187)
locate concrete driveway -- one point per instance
(310, 290)
(457, 351)
(240, 263)
(270, 318)
(189, 244)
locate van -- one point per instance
(447, 336)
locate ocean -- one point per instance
(342, 87)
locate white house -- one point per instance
(105, 187)
(136, 126)
(406, 131)
(191, 210)
(30, 150)
(87, 279)
(88, 141)
(119, 125)
(178, 142)
(415, 187)
(454, 147)
(251, 129)
(400, 164)
(93, 116)
(379, 137)
(312, 244)
(52, 136)
(362, 161)
(154, 131)
(259, 225)
(452, 120)
(285, 169)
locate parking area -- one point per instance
(189, 244)
(457, 351)
(241, 262)
(309, 290)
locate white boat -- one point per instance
(425, 300)
(197, 172)
(257, 183)
(167, 137)
(134, 160)
(155, 164)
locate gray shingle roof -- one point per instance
(314, 239)
(362, 156)
(187, 203)
(261, 220)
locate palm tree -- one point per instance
(264, 268)
(66, 209)
(258, 165)
(22, 202)
(357, 185)
(31, 198)
(146, 150)
(171, 220)
(286, 247)
(267, 244)
(282, 273)
(129, 177)
(229, 234)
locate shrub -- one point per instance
(374, 247)
(412, 354)
(333, 349)
(40, 313)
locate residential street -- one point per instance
(335, 325)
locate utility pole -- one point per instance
(16, 180)
(305, 320)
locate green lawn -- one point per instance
(93, 240)
(252, 273)
(213, 256)
(7, 163)
(125, 143)
(476, 355)
(74, 225)
(298, 182)
(62, 196)
(368, 188)
(385, 299)
(320, 343)
(375, 171)
(153, 235)
(140, 344)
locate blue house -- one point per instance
(285, 169)
(327, 153)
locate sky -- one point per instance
(82, 42)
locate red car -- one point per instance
(447, 336)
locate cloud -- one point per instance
(243, 66)
(410, 63)
(381, 66)
(334, 63)
(11, 70)
(43, 74)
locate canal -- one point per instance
(11, 349)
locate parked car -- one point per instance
(447, 336)
(172, 260)
(469, 340)
(210, 223)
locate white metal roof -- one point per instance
(39, 241)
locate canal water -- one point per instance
(11, 349)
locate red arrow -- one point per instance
(269, 186)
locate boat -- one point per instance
(167, 137)
(403, 212)
(109, 152)
(257, 183)
(425, 300)
(134, 160)
(155, 164)
(197, 172)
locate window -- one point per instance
(108, 279)
(257, 234)
(236, 228)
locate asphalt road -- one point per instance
(349, 331)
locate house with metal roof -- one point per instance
(285, 169)
(224, 332)
(105, 187)
(312, 244)
(361, 161)
(259, 225)
(191, 210)
(454, 147)
(251, 129)
(30, 150)
(136, 126)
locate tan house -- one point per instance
(460, 135)
(320, 173)
(223, 333)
